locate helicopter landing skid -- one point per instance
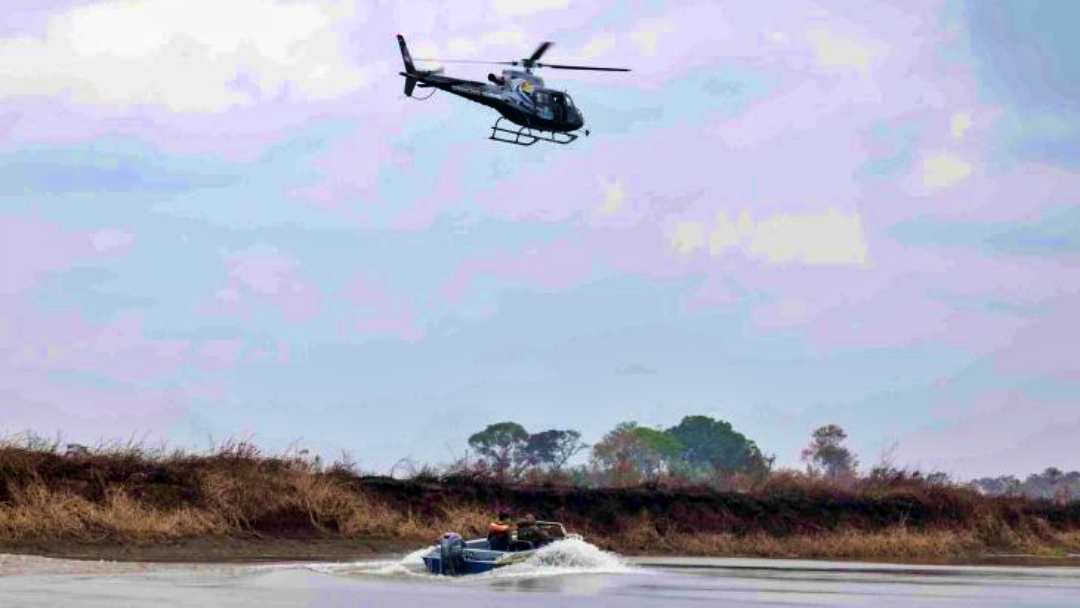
(525, 136)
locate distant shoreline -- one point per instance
(237, 505)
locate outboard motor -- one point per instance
(451, 554)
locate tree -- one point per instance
(629, 452)
(717, 447)
(552, 448)
(1053, 475)
(500, 444)
(826, 452)
(614, 452)
(654, 451)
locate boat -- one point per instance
(455, 556)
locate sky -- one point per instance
(224, 219)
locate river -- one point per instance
(574, 575)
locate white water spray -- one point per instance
(569, 556)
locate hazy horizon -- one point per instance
(224, 219)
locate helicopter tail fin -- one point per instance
(405, 56)
(410, 69)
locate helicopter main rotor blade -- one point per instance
(539, 52)
(528, 63)
(465, 61)
(580, 67)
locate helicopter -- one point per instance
(519, 96)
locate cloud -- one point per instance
(688, 237)
(830, 238)
(834, 51)
(105, 240)
(648, 34)
(267, 275)
(1047, 345)
(598, 45)
(183, 55)
(374, 309)
(999, 431)
(551, 266)
(118, 350)
(32, 248)
(942, 170)
(960, 123)
(519, 8)
(614, 196)
(462, 47)
(220, 354)
(503, 37)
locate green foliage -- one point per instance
(500, 445)
(1051, 484)
(551, 448)
(826, 452)
(510, 450)
(654, 451)
(699, 448)
(713, 445)
(630, 452)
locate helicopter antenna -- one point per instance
(429, 95)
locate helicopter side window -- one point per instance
(569, 101)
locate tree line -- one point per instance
(1051, 484)
(699, 449)
(705, 450)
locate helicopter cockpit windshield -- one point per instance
(554, 103)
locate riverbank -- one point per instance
(238, 505)
(219, 550)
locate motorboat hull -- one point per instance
(455, 556)
(476, 558)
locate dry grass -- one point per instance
(897, 543)
(123, 493)
(39, 513)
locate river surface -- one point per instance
(573, 575)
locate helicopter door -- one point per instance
(558, 106)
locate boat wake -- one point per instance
(564, 557)
(410, 565)
(567, 557)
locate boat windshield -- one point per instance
(554, 529)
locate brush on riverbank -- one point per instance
(236, 502)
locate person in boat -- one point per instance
(499, 532)
(529, 531)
